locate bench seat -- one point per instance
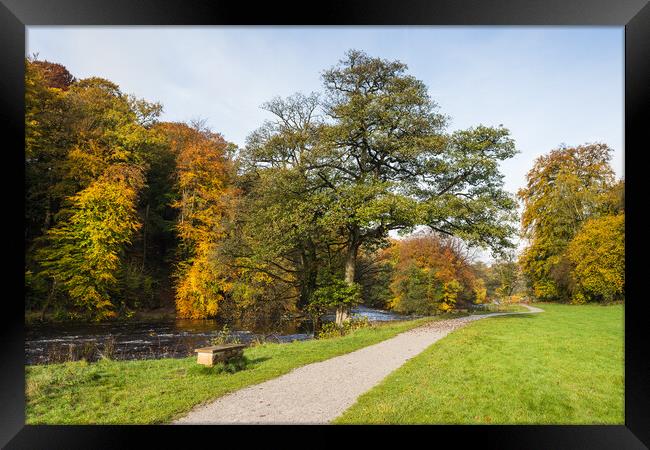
(208, 356)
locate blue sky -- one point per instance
(548, 85)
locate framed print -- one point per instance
(371, 213)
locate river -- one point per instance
(55, 342)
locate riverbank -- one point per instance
(157, 391)
(47, 343)
(34, 317)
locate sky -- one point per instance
(548, 85)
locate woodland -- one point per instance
(356, 194)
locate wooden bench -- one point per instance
(208, 356)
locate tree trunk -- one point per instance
(144, 239)
(48, 300)
(309, 272)
(48, 214)
(343, 312)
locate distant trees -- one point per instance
(571, 194)
(432, 273)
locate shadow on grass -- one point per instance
(233, 366)
(517, 316)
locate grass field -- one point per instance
(156, 391)
(562, 366)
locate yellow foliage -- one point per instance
(205, 199)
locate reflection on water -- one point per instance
(161, 339)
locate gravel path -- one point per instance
(319, 392)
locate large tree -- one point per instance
(205, 194)
(279, 230)
(370, 157)
(389, 165)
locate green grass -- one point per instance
(491, 308)
(157, 391)
(562, 366)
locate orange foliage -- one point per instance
(205, 197)
(430, 272)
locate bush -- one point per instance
(224, 337)
(330, 330)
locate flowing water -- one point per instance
(57, 342)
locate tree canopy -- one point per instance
(566, 188)
(372, 152)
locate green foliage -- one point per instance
(335, 293)
(418, 291)
(224, 336)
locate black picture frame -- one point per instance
(634, 15)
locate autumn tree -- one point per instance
(432, 273)
(55, 75)
(597, 257)
(87, 153)
(48, 138)
(565, 188)
(84, 251)
(204, 200)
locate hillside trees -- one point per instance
(89, 149)
(47, 140)
(84, 252)
(93, 156)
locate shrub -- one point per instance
(330, 330)
(224, 336)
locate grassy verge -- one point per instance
(562, 366)
(490, 308)
(156, 391)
